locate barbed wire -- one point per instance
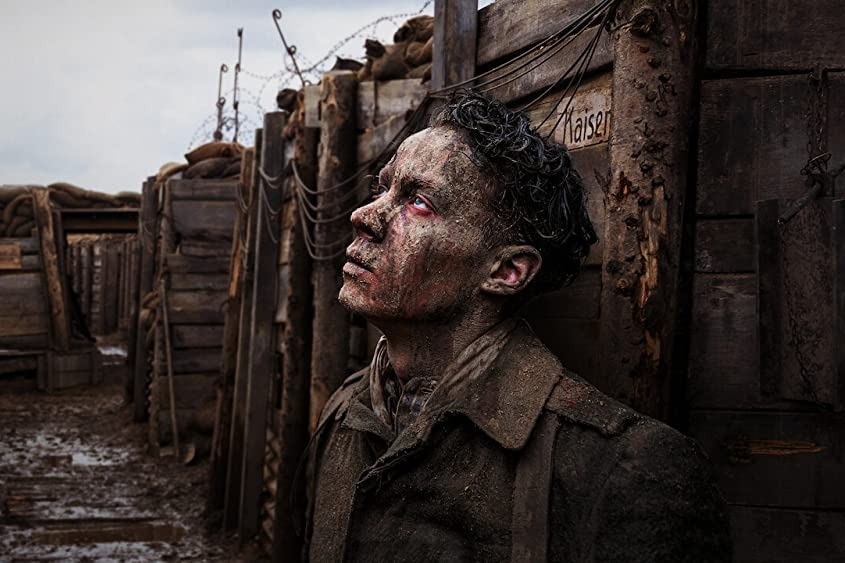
(254, 85)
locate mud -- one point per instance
(76, 483)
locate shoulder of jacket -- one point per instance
(575, 401)
(339, 401)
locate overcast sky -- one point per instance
(100, 93)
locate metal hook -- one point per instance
(290, 49)
(221, 101)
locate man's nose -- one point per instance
(369, 220)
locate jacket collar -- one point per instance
(504, 396)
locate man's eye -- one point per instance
(419, 203)
(378, 191)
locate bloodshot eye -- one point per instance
(419, 203)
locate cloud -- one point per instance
(102, 93)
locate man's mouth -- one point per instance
(354, 257)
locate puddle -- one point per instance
(113, 351)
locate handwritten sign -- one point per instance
(10, 256)
(588, 120)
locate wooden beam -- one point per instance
(296, 354)
(147, 229)
(330, 349)
(123, 220)
(262, 365)
(653, 77)
(455, 36)
(52, 272)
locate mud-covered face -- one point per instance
(422, 246)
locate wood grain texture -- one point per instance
(203, 190)
(455, 40)
(380, 101)
(775, 459)
(724, 245)
(205, 220)
(753, 141)
(53, 275)
(774, 35)
(577, 301)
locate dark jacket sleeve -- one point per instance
(660, 502)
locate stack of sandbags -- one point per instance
(68, 196)
(408, 57)
(211, 160)
(16, 215)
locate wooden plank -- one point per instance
(545, 72)
(98, 291)
(775, 459)
(202, 190)
(192, 391)
(724, 245)
(508, 26)
(207, 220)
(204, 248)
(196, 307)
(839, 297)
(374, 140)
(39, 341)
(197, 336)
(31, 324)
(765, 535)
(16, 364)
(195, 360)
(593, 164)
(578, 301)
(177, 263)
(147, 229)
(774, 35)
(753, 142)
(53, 275)
(10, 256)
(205, 281)
(263, 365)
(455, 40)
(111, 286)
(28, 245)
(796, 302)
(379, 102)
(82, 361)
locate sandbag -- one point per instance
(214, 149)
(388, 60)
(233, 168)
(9, 193)
(418, 53)
(25, 229)
(83, 194)
(423, 72)
(169, 169)
(15, 224)
(11, 210)
(208, 168)
(129, 199)
(418, 28)
(67, 201)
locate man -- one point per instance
(466, 440)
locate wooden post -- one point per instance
(231, 322)
(262, 364)
(52, 271)
(338, 136)
(147, 229)
(168, 354)
(653, 78)
(111, 284)
(296, 353)
(85, 293)
(455, 39)
(234, 465)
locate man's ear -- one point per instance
(513, 270)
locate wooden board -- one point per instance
(765, 535)
(197, 336)
(753, 141)
(379, 102)
(207, 220)
(202, 190)
(723, 364)
(28, 245)
(547, 71)
(775, 459)
(203, 248)
(593, 164)
(507, 26)
(196, 307)
(204, 281)
(194, 360)
(16, 325)
(195, 265)
(774, 35)
(10, 256)
(191, 391)
(724, 245)
(22, 294)
(578, 301)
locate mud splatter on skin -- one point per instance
(422, 251)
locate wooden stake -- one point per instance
(653, 78)
(455, 39)
(168, 351)
(330, 348)
(53, 275)
(147, 228)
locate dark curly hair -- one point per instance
(542, 197)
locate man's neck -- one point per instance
(425, 349)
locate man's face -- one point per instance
(421, 249)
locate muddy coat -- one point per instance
(619, 486)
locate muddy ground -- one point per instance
(77, 484)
